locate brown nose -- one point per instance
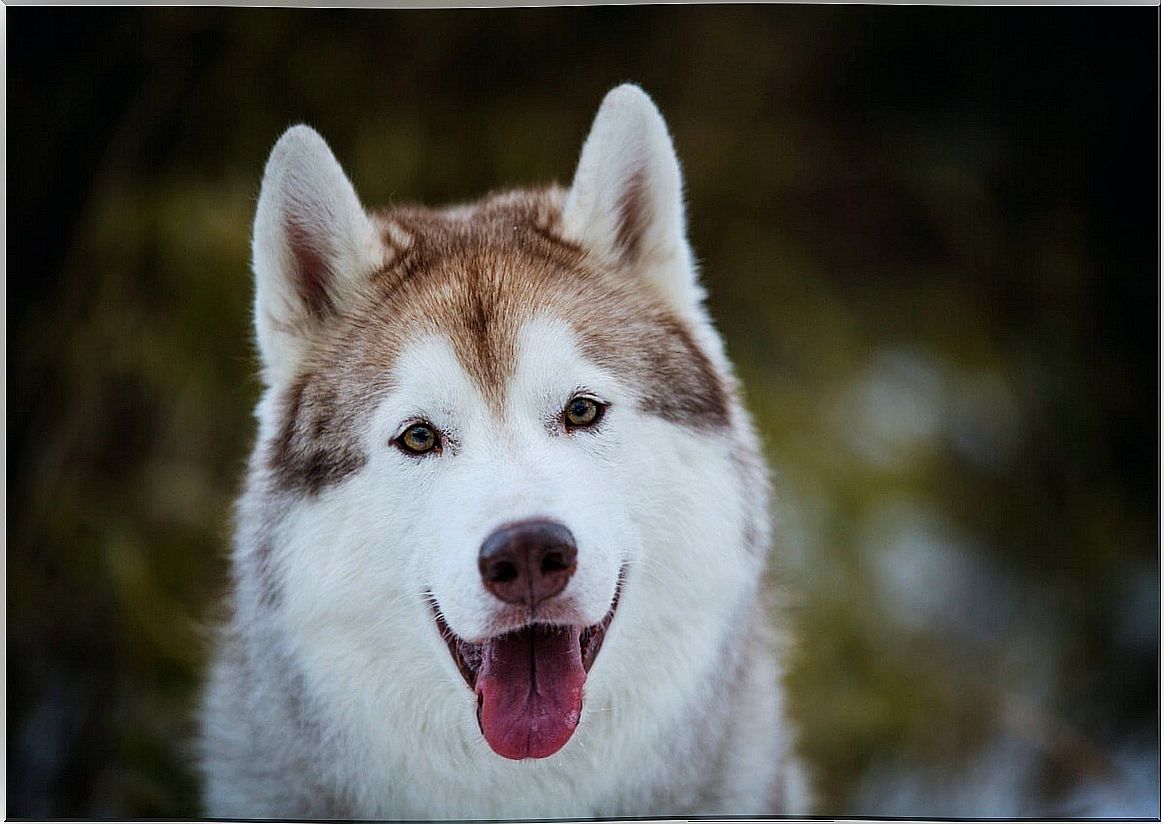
(528, 562)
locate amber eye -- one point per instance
(418, 439)
(581, 412)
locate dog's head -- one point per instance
(498, 438)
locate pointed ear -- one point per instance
(312, 240)
(626, 202)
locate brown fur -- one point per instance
(477, 274)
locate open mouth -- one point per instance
(529, 682)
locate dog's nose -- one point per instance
(528, 562)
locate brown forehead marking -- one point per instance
(476, 275)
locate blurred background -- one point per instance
(930, 238)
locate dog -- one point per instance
(501, 548)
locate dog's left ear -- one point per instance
(626, 201)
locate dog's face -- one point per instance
(488, 427)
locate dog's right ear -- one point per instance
(312, 240)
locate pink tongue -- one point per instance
(529, 690)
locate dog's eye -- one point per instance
(418, 439)
(582, 412)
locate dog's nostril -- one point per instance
(503, 572)
(553, 562)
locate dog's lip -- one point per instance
(467, 655)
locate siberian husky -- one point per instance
(501, 548)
